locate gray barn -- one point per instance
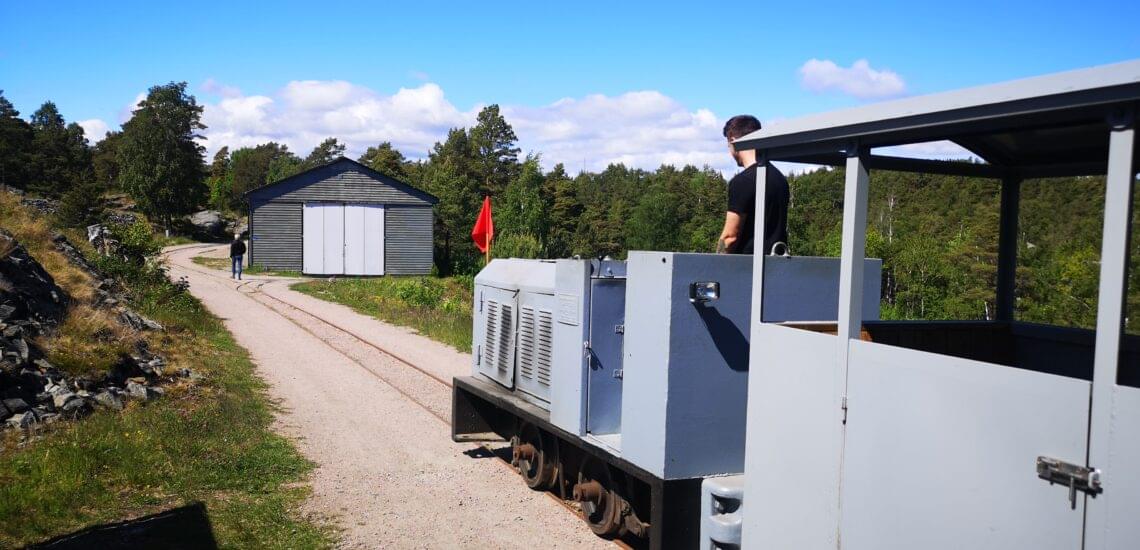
(341, 218)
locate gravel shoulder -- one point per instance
(388, 474)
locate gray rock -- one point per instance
(109, 400)
(137, 322)
(16, 405)
(21, 350)
(76, 408)
(49, 418)
(137, 391)
(22, 421)
(62, 397)
(4, 412)
(208, 223)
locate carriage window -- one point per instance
(1058, 251)
(937, 236)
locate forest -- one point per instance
(937, 235)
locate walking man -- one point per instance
(237, 252)
(740, 220)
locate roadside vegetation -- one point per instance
(439, 308)
(207, 442)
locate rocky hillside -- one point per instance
(33, 391)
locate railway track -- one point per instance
(252, 290)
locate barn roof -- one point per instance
(407, 188)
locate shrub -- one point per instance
(419, 292)
(516, 245)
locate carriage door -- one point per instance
(950, 424)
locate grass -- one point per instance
(87, 342)
(224, 265)
(439, 308)
(208, 442)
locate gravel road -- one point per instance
(388, 474)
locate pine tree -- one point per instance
(60, 156)
(493, 147)
(15, 145)
(385, 159)
(329, 150)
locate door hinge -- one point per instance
(619, 329)
(843, 405)
(1073, 476)
(619, 373)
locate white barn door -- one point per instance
(341, 239)
(363, 239)
(354, 247)
(313, 238)
(333, 246)
(373, 239)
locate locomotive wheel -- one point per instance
(603, 510)
(534, 457)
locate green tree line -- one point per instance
(937, 235)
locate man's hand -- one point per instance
(730, 234)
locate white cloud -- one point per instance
(128, 110)
(642, 129)
(94, 129)
(212, 86)
(859, 80)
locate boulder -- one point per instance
(208, 224)
(109, 400)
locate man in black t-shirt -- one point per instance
(737, 237)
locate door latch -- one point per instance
(1073, 476)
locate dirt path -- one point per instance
(388, 473)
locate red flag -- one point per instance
(484, 230)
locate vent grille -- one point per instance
(505, 332)
(491, 334)
(545, 347)
(526, 343)
(497, 340)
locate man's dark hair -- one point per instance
(740, 125)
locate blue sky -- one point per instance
(696, 63)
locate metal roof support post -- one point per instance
(1110, 309)
(850, 322)
(1007, 248)
(759, 252)
(854, 245)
